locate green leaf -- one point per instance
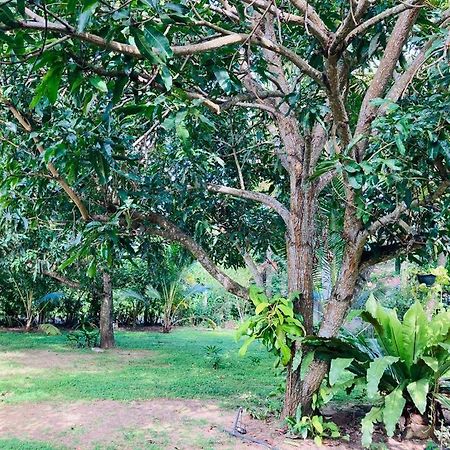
(256, 295)
(443, 400)
(158, 42)
(119, 86)
(338, 371)
(261, 307)
(92, 269)
(88, 9)
(244, 348)
(306, 362)
(387, 327)
(21, 7)
(245, 345)
(433, 363)
(414, 332)
(48, 86)
(367, 425)
(68, 261)
(393, 409)
(317, 424)
(152, 44)
(400, 145)
(223, 79)
(375, 373)
(286, 354)
(6, 16)
(166, 77)
(297, 360)
(286, 310)
(354, 183)
(418, 390)
(98, 83)
(318, 440)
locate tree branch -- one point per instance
(395, 215)
(62, 279)
(348, 24)
(38, 23)
(383, 253)
(395, 10)
(384, 73)
(313, 22)
(171, 232)
(402, 83)
(265, 199)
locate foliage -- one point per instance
(404, 369)
(274, 323)
(312, 426)
(86, 335)
(213, 356)
(49, 329)
(118, 117)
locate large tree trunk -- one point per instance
(336, 311)
(300, 254)
(106, 314)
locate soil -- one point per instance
(168, 424)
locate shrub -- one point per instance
(49, 329)
(85, 336)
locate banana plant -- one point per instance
(404, 369)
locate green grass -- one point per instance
(16, 444)
(175, 367)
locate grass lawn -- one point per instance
(40, 373)
(171, 365)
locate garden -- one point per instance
(224, 224)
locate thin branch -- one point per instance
(395, 215)
(265, 199)
(395, 10)
(313, 21)
(188, 49)
(62, 279)
(382, 253)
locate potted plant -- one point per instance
(426, 278)
(425, 275)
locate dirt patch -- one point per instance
(168, 424)
(157, 424)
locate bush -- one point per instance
(85, 336)
(49, 329)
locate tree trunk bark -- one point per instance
(106, 314)
(300, 250)
(335, 314)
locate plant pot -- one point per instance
(427, 279)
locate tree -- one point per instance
(336, 85)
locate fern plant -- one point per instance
(404, 369)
